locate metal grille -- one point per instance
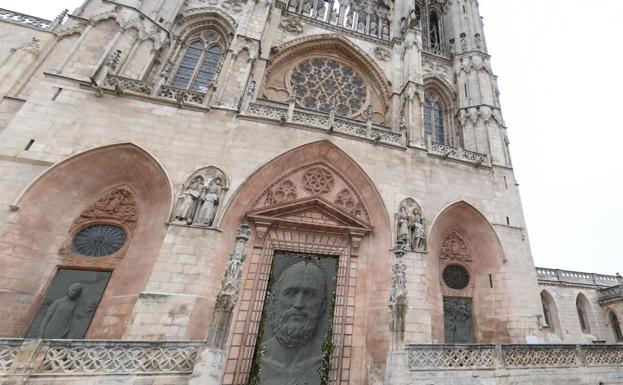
(455, 277)
(99, 240)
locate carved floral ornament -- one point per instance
(315, 180)
(325, 72)
(104, 228)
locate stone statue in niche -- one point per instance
(69, 305)
(297, 322)
(410, 225)
(189, 201)
(199, 201)
(210, 199)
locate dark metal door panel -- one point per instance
(457, 313)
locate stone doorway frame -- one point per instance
(276, 230)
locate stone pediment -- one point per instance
(313, 213)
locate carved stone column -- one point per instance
(230, 289)
(398, 302)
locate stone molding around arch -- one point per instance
(303, 202)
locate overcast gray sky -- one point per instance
(558, 63)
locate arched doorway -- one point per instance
(314, 203)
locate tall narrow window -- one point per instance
(582, 315)
(616, 327)
(434, 120)
(547, 312)
(434, 31)
(200, 64)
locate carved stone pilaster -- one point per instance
(398, 301)
(230, 289)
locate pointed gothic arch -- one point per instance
(461, 236)
(121, 185)
(277, 84)
(585, 313)
(298, 202)
(551, 321)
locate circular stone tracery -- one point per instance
(319, 82)
(99, 240)
(455, 277)
(318, 180)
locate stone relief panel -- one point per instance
(410, 224)
(455, 249)
(315, 180)
(201, 197)
(296, 321)
(69, 304)
(103, 229)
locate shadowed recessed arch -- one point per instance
(49, 208)
(487, 255)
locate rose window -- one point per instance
(455, 277)
(319, 83)
(99, 240)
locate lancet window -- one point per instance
(616, 327)
(369, 17)
(582, 316)
(201, 61)
(547, 312)
(434, 125)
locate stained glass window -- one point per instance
(200, 64)
(99, 240)
(319, 83)
(433, 121)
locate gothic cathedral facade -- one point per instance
(274, 192)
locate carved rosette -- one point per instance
(318, 181)
(282, 193)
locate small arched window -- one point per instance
(434, 119)
(616, 327)
(547, 312)
(582, 316)
(200, 63)
(434, 31)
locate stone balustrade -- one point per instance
(349, 127)
(25, 20)
(97, 357)
(121, 85)
(482, 357)
(437, 51)
(448, 152)
(577, 277)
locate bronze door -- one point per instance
(457, 313)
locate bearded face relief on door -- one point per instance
(295, 334)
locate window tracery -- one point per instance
(200, 62)
(434, 120)
(323, 83)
